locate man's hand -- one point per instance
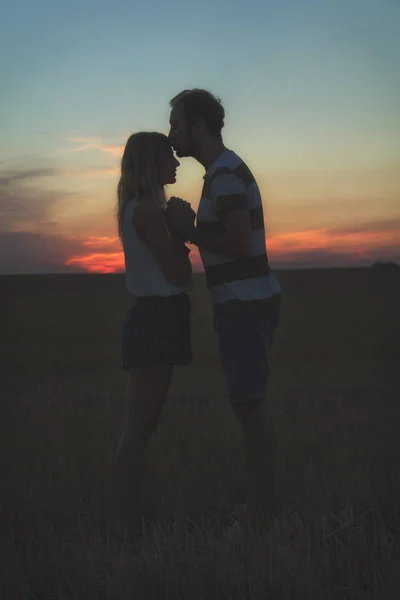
(175, 202)
(180, 218)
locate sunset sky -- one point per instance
(311, 91)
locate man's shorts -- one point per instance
(244, 343)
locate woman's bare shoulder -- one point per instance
(147, 208)
(147, 214)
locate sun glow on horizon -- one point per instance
(105, 255)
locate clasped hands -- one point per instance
(180, 218)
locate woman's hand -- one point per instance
(180, 218)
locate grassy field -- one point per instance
(335, 397)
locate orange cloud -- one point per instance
(357, 245)
(335, 240)
(96, 173)
(94, 143)
(195, 259)
(110, 258)
(101, 241)
(102, 262)
(360, 244)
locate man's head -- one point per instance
(196, 118)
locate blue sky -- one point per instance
(311, 91)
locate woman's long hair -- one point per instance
(143, 155)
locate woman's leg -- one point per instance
(147, 390)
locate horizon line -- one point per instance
(380, 263)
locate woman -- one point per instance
(156, 331)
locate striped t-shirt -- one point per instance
(243, 284)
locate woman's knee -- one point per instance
(141, 430)
(149, 426)
(147, 391)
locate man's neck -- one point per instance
(210, 152)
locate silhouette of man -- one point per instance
(230, 235)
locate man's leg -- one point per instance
(259, 447)
(244, 342)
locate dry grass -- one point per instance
(335, 398)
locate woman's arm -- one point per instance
(171, 255)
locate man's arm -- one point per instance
(235, 239)
(235, 236)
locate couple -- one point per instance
(230, 235)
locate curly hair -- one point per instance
(201, 104)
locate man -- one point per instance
(230, 235)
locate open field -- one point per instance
(334, 394)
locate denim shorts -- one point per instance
(244, 342)
(156, 331)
